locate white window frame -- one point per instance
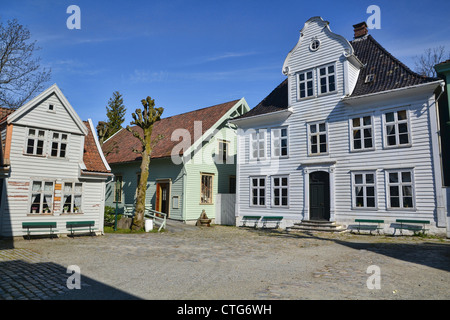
(223, 151)
(277, 142)
(210, 188)
(305, 82)
(317, 134)
(362, 127)
(59, 141)
(36, 138)
(42, 193)
(400, 184)
(364, 185)
(258, 141)
(73, 193)
(258, 189)
(396, 124)
(326, 76)
(280, 187)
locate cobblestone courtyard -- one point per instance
(226, 263)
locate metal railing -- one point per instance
(159, 218)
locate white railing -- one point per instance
(158, 217)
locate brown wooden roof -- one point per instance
(91, 155)
(119, 148)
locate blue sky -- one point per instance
(193, 54)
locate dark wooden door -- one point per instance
(319, 196)
(162, 197)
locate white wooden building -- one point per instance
(52, 168)
(351, 133)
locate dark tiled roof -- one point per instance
(277, 100)
(119, 148)
(389, 73)
(91, 155)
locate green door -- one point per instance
(319, 196)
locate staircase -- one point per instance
(316, 226)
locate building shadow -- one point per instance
(431, 254)
(22, 280)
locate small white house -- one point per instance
(351, 133)
(52, 169)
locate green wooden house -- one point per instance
(192, 163)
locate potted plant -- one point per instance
(33, 209)
(66, 209)
(75, 209)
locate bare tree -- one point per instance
(431, 57)
(20, 74)
(144, 119)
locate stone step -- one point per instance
(320, 226)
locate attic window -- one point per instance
(369, 78)
(315, 44)
(51, 108)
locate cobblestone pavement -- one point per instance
(226, 263)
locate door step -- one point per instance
(316, 225)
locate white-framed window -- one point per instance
(223, 152)
(72, 197)
(305, 81)
(42, 197)
(258, 191)
(400, 189)
(35, 142)
(315, 44)
(280, 191)
(362, 133)
(318, 138)
(206, 196)
(258, 144)
(327, 78)
(59, 144)
(364, 189)
(280, 142)
(397, 128)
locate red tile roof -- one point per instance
(119, 148)
(91, 155)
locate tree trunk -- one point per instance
(138, 220)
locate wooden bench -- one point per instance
(254, 219)
(411, 225)
(73, 226)
(269, 219)
(39, 227)
(368, 224)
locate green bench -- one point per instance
(74, 226)
(254, 219)
(411, 225)
(368, 224)
(270, 219)
(39, 227)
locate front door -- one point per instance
(162, 197)
(319, 195)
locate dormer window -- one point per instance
(369, 78)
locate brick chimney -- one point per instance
(360, 29)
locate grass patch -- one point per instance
(127, 231)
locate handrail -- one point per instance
(158, 217)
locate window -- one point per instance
(41, 197)
(280, 186)
(223, 152)
(362, 133)
(258, 189)
(315, 44)
(364, 190)
(206, 189)
(397, 128)
(258, 144)
(327, 79)
(59, 145)
(232, 184)
(280, 142)
(35, 142)
(118, 189)
(318, 138)
(72, 193)
(305, 84)
(400, 189)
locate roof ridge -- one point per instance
(216, 105)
